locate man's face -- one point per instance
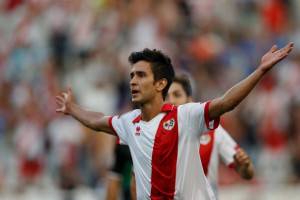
(142, 85)
(177, 95)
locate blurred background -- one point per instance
(48, 45)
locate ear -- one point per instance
(161, 84)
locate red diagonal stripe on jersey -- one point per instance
(164, 160)
(205, 151)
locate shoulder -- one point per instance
(191, 110)
(190, 106)
(187, 105)
(131, 115)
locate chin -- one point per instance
(136, 101)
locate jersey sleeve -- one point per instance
(227, 146)
(195, 115)
(119, 141)
(117, 124)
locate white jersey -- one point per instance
(165, 151)
(212, 145)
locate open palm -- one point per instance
(275, 55)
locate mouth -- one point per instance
(134, 92)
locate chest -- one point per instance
(158, 136)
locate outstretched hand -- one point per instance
(64, 101)
(275, 55)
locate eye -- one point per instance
(177, 94)
(131, 75)
(141, 74)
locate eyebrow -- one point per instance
(137, 72)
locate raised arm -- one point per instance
(94, 120)
(237, 93)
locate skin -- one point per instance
(145, 91)
(148, 93)
(177, 96)
(113, 189)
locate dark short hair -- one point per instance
(184, 81)
(161, 65)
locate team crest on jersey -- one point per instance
(138, 131)
(205, 139)
(169, 125)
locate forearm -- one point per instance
(133, 188)
(88, 118)
(234, 95)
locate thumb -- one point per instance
(69, 91)
(273, 48)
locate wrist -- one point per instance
(70, 108)
(262, 69)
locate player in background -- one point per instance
(213, 143)
(160, 135)
(120, 174)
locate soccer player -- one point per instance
(164, 139)
(213, 143)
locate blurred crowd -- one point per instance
(49, 45)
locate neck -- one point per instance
(151, 109)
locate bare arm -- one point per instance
(237, 93)
(133, 187)
(243, 164)
(94, 120)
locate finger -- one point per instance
(62, 108)
(273, 48)
(59, 110)
(69, 90)
(283, 54)
(290, 45)
(237, 159)
(244, 155)
(59, 102)
(60, 98)
(288, 48)
(242, 158)
(65, 95)
(245, 162)
(239, 153)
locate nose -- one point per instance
(133, 81)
